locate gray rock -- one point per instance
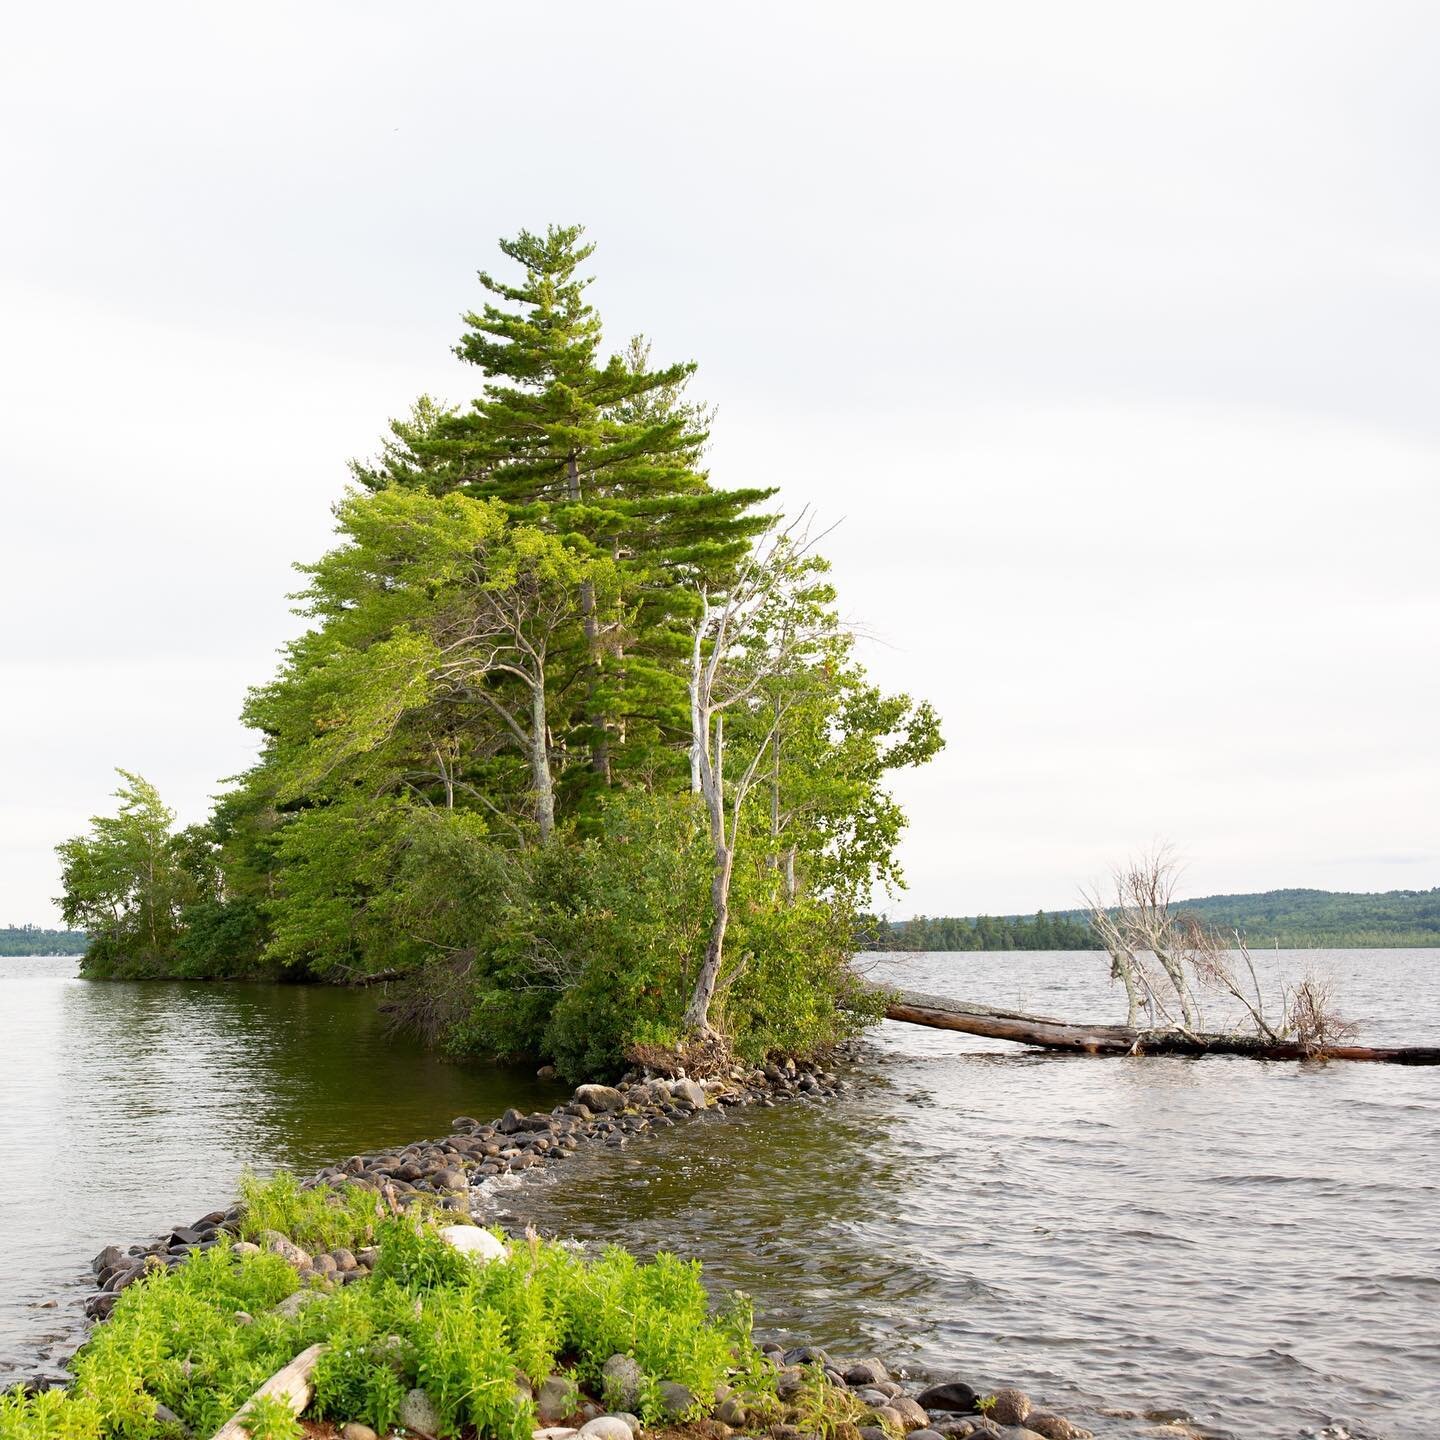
(925, 1433)
(913, 1416)
(676, 1399)
(890, 1418)
(285, 1248)
(599, 1098)
(292, 1305)
(866, 1372)
(356, 1431)
(545, 1072)
(622, 1379)
(731, 1412)
(344, 1259)
(952, 1395)
(871, 1397)
(107, 1259)
(689, 1090)
(606, 1427)
(449, 1179)
(874, 1432)
(418, 1412)
(554, 1432)
(557, 1398)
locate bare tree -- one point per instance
(733, 653)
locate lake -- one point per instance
(1255, 1245)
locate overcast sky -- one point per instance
(1110, 330)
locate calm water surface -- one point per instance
(1255, 1245)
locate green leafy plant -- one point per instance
(267, 1417)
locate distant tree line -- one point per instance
(1292, 919)
(981, 932)
(32, 940)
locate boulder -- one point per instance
(344, 1259)
(952, 1395)
(285, 1248)
(356, 1431)
(676, 1399)
(545, 1072)
(1010, 1407)
(480, 1245)
(599, 1099)
(244, 1247)
(606, 1427)
(557, 1398)
(892, 1420)
(1054, 1427)
(554, 1432)
(731, 1412)
(449, 1179)
(912, 1414)
(418, 1412)
(867, 1372)
(623, 1381)
(690, 1091)
(107, 1259)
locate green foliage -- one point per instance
(984, 932)
(321, 1218)
(428, 1316)
(267, 1417)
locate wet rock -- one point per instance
(1010, 1407)
(1054, 1427)
(356, 1431)
(98, 1307)
(675, 1398)
(952, 1395)
(107, 1259)
(557, 1398)
(806, 1355)
(546, 1072)
(606, 1427)
(867, 1372)
(690, 1091)
(418, 1412)
(600, 1099)
(449, 1179)
(623, 1381)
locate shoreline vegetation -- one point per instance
(367, 1298)
(576, 751)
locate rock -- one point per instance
(891, 1419)
(623, 1381)
(690, 1091)
(1054, 1427)
(243, 1317)
(107, 1259)
(356, 1431)
(874, 1432)
(888, 1388)
(913, 1416)
(285, 1248)
(325, 1265)
(606, 1427)
(871, 1397)
(926, 1433)
(344, 1259)
(292, 1305)
(867, 1372)
(166, 1416)
(546, 1072)
(599, 1098)
(791, 1381)
(244, 1247)
(1010, 1407)
(480, 1245)
(450, 1179)
(557, 1398)
(553, 1432)
(731, 1412)
(676, 1399)
(184, 1235)
(952, 1395)
(418, 1412)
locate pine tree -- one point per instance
(604, 453)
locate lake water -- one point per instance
(1255, 1245)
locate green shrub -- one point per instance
(322, 1218)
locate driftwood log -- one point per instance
(292, 1385)
(942, 1013)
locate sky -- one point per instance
(1109, 333)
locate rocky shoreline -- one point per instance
(450, 1170)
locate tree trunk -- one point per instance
(540, 762)
(942, 1013)
(697, 1013)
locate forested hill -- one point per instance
(1290, 918)
(32, 940)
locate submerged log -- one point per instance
(943, 1013)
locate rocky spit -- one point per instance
(448, 1170)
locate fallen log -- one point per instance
(291, 1384)
(942, 1013)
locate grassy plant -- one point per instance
(267, 1417)
(429, 1315)
(323, 1218)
